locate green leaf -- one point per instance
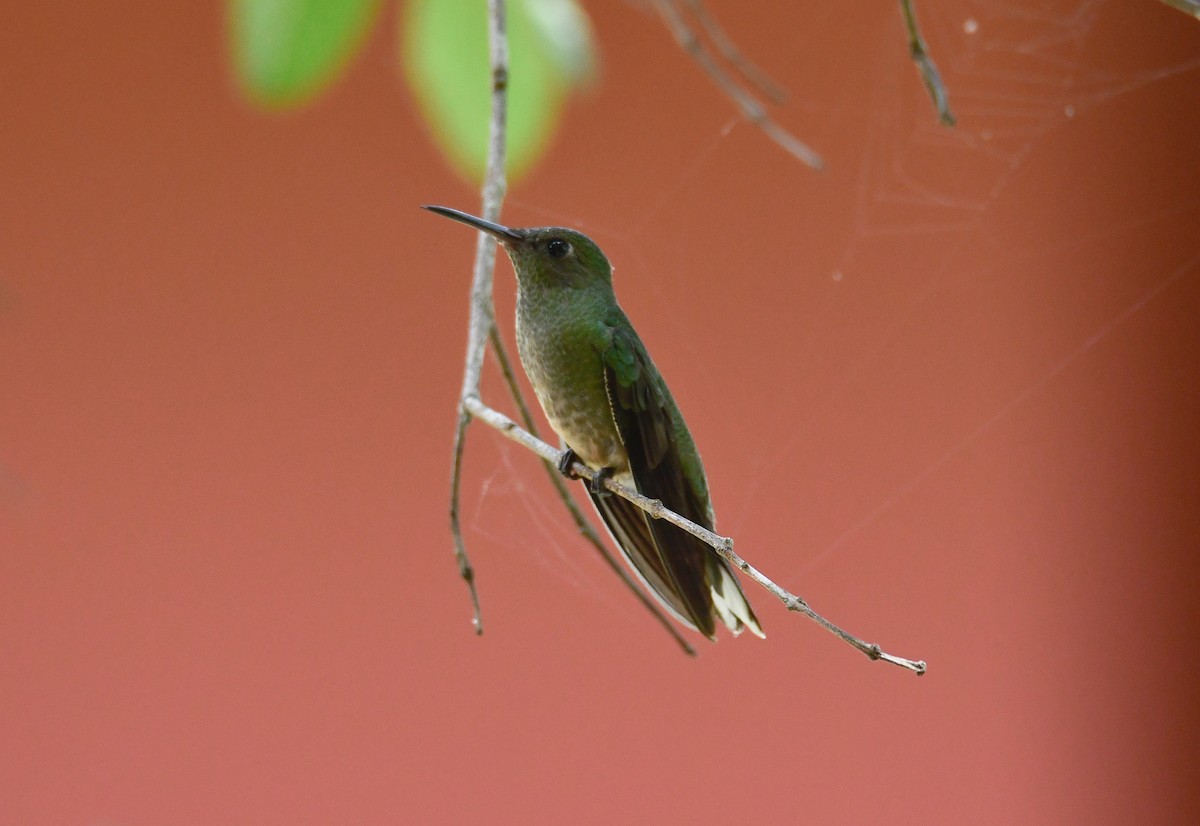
(448, 66)
(566, 33)
(285, 52)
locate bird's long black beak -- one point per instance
(501, 233)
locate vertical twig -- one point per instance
(465, 569)
(925, 65)
(494, 186)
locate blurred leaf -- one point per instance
(287, 51)
(1188, 7)
(449, 68)
(566, 32)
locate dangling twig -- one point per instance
(755, 76)
(752, 110)
(465, 569)
(925, 65)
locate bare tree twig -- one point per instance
(721, 544)
(494, 186)
(925, 65)
(755, 76)
(752, 110)
(465, 569)
(585, 528)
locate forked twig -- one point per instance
(494, 186)
(752, 110)
(925, 65)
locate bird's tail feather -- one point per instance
(628, 529)
(730, 602)
(631, 531)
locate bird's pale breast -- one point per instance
(563, 364)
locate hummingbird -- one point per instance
(612, 410)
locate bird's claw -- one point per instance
(596, 485)
(565, 460)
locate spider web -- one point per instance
(1018, 73)
(1022, 73)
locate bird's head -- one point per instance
(549, 257)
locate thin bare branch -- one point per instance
(465, 569)
(755, 76)
(751, 109)
(721, 544)
(494, 186)
(584, 527)
(925, 65)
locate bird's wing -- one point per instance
(629, 530)
(642, 409)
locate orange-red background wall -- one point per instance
(947, 391)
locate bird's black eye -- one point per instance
(557, 248)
